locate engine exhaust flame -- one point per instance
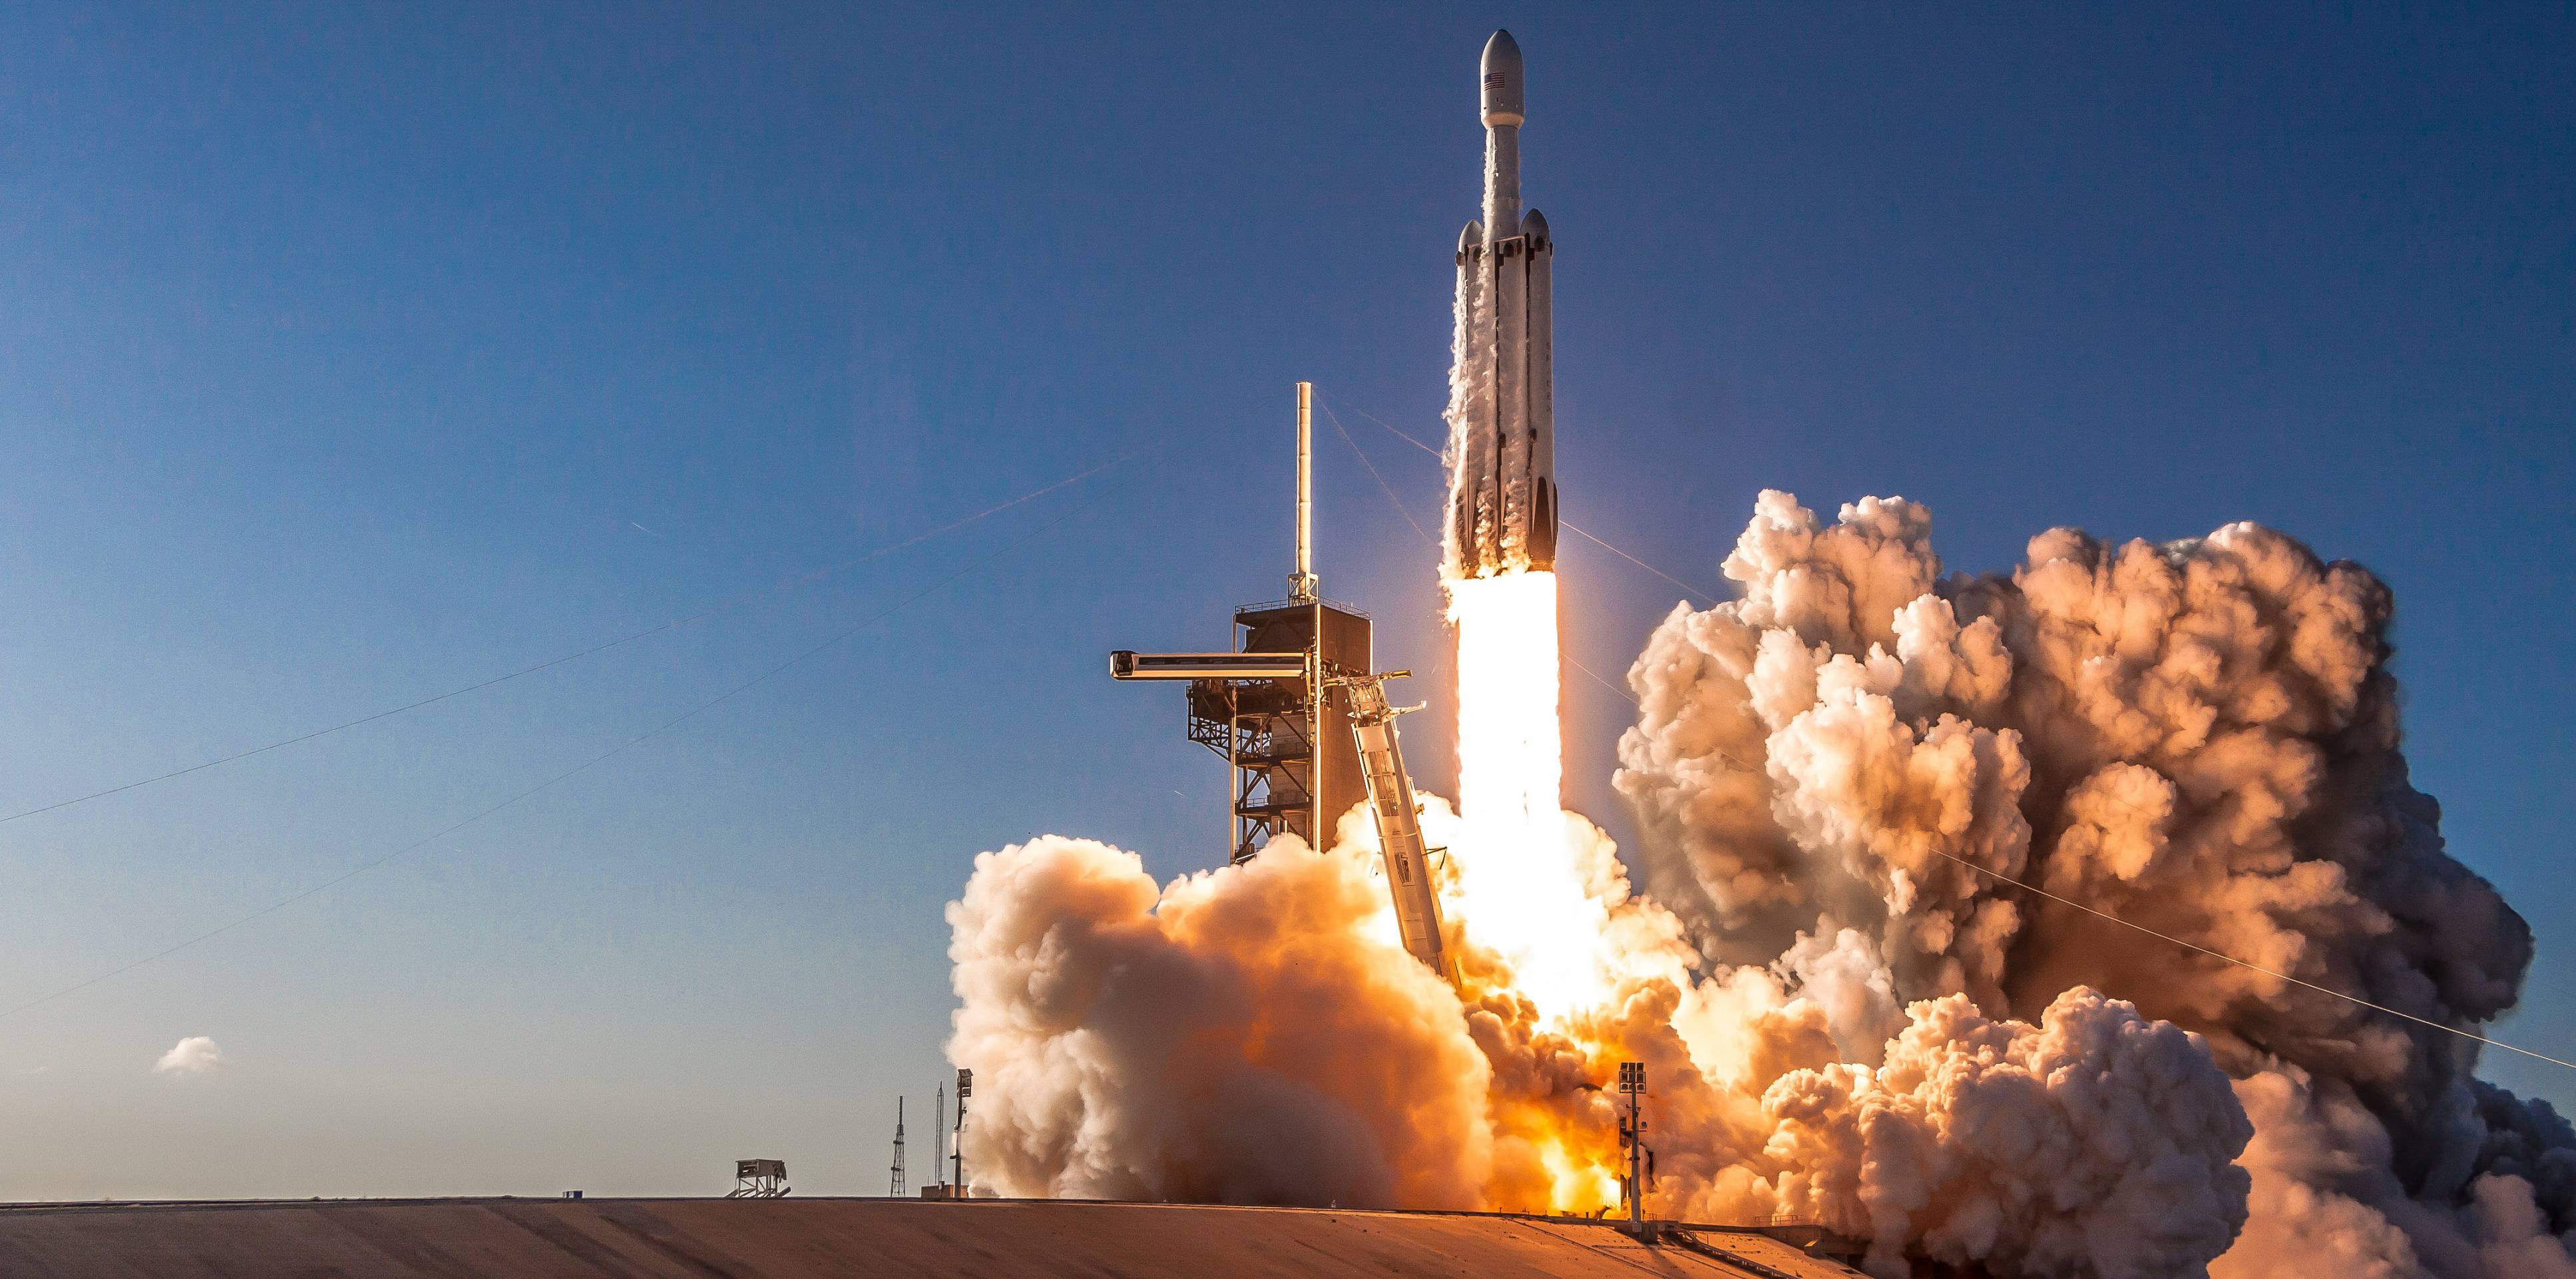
(1519, 890)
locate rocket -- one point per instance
(1502, 481)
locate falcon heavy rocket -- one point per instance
(1502, 440)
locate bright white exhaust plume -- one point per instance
(1847, 1010)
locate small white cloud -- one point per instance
(194, 1055)
(34, 1070)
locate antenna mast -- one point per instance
(894, 1187)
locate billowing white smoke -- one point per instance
(1848, 1012)
(2199, 737)
(2096, 1143)
(1255, 1034)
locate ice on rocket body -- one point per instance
(1503, 478)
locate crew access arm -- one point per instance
(1399, 823)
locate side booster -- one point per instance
(1503, 482)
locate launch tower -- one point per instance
(1277, 706)
(1303, 723)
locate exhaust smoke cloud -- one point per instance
(1848, 1011)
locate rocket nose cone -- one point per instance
(1501, 80)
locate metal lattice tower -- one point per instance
(1288, 741)
(894, 1185)
(1304, 726)
(1276, 706)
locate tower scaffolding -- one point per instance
(1302, 722)
(894, 1184)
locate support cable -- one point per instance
(1698, 595)
(1383, 486)
(2278, 976)
(1616, 691)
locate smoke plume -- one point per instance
(1849, 1008)
(2199, 737)
(1254, 1034)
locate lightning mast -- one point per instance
(1302, 584)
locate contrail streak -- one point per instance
(559, 778)
(727, 606)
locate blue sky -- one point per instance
(351, 354)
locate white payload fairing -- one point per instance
(1502, 446)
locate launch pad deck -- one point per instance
(811, 1238)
